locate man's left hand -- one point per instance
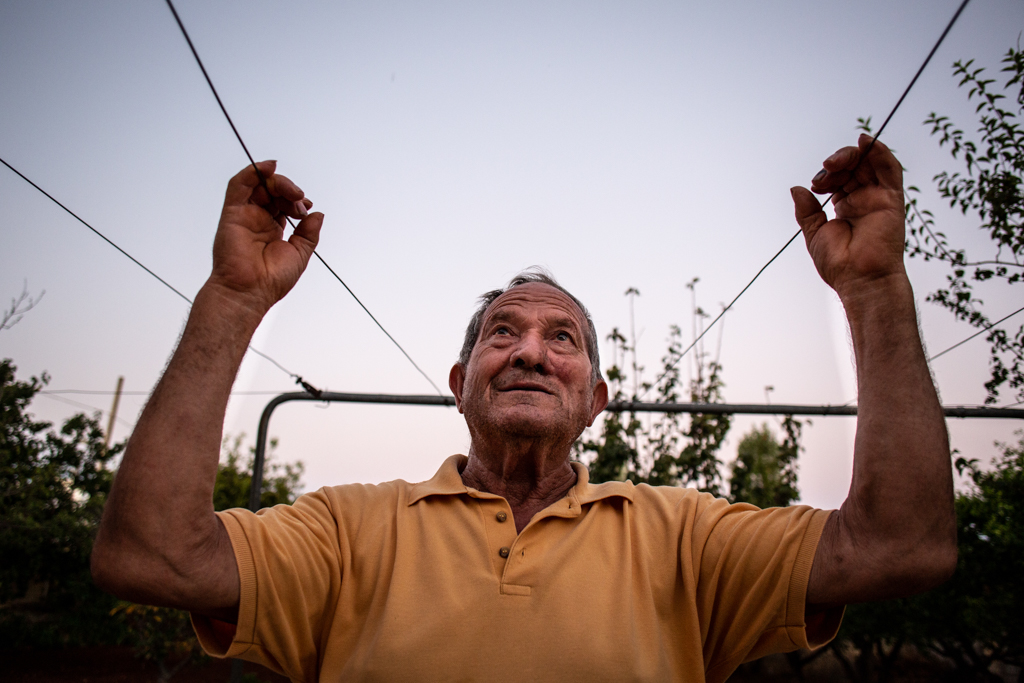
(864, 242)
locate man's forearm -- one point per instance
(897, 524)
(160, 512)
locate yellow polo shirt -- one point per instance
(430, 582)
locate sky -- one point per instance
(451, 145)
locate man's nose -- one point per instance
(530, 353)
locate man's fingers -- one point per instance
(844, 159)
(276, 193)
(869, 163)
(809, 215)
(307, 235)
(885, 168)
(241, 187)
(281, 186)
(836, 171)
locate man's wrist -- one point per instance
(241, 312)
(890, 293)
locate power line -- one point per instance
(50, 394)
(888, 118)
(305, 385)
(979, 332)
(100, 234)
(263, 182)
(109, 392)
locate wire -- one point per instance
(164, 282)
(101, 235)
(979, 332)
(50, 394)
(888, 118)
(263, 182)
(427, 377)
(724, 310)
(110, 392)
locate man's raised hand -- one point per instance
(863, 245)
(252, 261)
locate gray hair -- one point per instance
(532, 275)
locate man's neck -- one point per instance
(529, 477)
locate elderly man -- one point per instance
(508, 564)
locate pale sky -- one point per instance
(450, 145)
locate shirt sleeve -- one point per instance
(290, 574)
(753, 567)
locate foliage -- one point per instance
(53, 485)
(231, 490)
(764, 472)
(661, 452)
(990, 187)
(161, 635)
(981, 610)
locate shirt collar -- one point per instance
(448, 482)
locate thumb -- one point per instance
(809, 215)
(307, 235)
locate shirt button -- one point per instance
(501, 516)
(503, 552)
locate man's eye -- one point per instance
(563, 336)
(502, 331)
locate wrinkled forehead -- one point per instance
(536, 298)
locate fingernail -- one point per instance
(300, 208)
(820, 175)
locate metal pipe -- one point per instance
(615, 407)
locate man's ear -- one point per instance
(600, 400)
(457, 377)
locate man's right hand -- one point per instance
(251, 259)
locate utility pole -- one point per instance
(113, 413)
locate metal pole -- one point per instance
(615, 407)
(256, 488)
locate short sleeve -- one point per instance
(753, 568)
(290, 573)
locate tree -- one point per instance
(990, 186)
(979, 614)
(661, 452)
(764, 471)
(231, 490)
(53, 485)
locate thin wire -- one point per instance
(134, 260)
(979, 332)
(101, 235)
(110, 392)
(724, 310)
(50, 395)
(964, 341)
(427, 377)
(888, 118)
(263, 182)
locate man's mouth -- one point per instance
(526, 386)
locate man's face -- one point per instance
(529, 374)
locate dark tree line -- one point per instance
(53, 486)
